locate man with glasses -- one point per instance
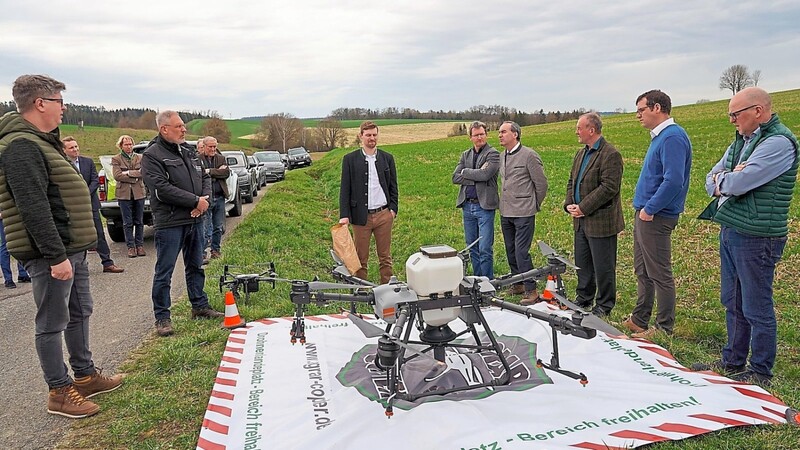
(48, 222)
(752, 186)
(658, 201)
(476, 172)
(521, 197)
(179, 192)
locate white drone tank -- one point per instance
(435, 269)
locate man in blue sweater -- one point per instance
(658, 201)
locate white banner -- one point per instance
(272, 394)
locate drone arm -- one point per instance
(538, 273)
(565, 325)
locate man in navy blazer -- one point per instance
(368, 199)
(87, 169)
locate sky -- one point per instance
(309, 57)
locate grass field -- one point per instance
(165, 395)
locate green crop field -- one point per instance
(165, 395)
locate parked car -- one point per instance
(298, 157)
(109, 207)
(261, 171)
(273, 164)
(246, 171)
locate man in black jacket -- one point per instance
(368, 199)
(179, 191)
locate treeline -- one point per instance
(98, 116)
(488, 114)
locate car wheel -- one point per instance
(236, 211)
(115, 232)
(248, 198)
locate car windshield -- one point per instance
(235, 159)
(268, 157)
(296, 151)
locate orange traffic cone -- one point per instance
(549, 288)
(232, 318)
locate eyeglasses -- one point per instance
(59, 100)
(479, 135)
(641, 110)
(735, 115)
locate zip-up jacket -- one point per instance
(46, 207)
(175, 177)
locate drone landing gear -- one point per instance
(555, 365)
(438, 339)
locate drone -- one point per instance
(437, 293)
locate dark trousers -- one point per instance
(652, 262)
(597, 259)
(63, 308)
(102, 246)
(517, 237)
(169, 242)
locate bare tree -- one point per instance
(735, 78)
(331, 133)
(218, 128)
(756, 77)
(283, 129)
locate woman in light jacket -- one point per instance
(130, 193)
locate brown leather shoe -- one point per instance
(140, 251)
(164, 327)
(97, 383)
(68, 402)
(516, 289)
(531, 298)
(206, 313)
(631, 326)
(215, 254)
(131, 252)
(113, 269)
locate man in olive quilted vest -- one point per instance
(47, 215)
(752, 186)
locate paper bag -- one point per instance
(344, 246)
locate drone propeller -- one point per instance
(589, 320)
(318, 285)
(551, 253)
(371, 331)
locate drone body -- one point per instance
(437, 292)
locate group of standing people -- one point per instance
(50, 220)
(751, 186)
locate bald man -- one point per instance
(752, 186)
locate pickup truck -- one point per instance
(109, 207)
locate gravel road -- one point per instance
(123, 316)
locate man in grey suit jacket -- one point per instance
(593, 201)
(476, 172)
(524, 189)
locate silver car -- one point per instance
(273, 164)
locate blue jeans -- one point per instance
(169, 242)
(63, 308)
(480, 222)
(132, 221)
(5, 259)
(215, 223)
(747, 271)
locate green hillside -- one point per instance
(170, 380)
